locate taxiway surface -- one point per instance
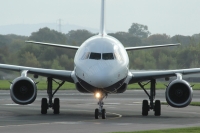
(77, 114)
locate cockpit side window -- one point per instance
(95, 56)
(107, 56)
(85, 56)
(118, 56)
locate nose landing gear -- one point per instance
(100, 111)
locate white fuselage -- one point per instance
(101, 62)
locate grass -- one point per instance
(136, 86)
(4, 85)
(161, 86)
(191, 104)
(178, 130)
(42, 85)
(195, 103)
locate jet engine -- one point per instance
(23, 90)
(179, 93)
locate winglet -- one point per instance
(102, 22)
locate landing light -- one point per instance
(97, 95)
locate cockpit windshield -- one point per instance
(99, 56)
(107, 56)
(95, 56)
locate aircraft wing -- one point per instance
(148, 75)
(57, 74)
(153, 46)
(55, 45)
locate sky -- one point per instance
(171, 17)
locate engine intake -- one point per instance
(179, 93)
(23, 90)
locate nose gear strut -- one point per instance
(101, 111)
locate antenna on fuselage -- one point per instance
(102, 22)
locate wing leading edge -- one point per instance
(57, 74)
(149, 47)
(148, 75)
(54, 45)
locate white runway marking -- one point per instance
(112, 103)
(36, 124)
(13, 104)
(123, 124)
(119, 116)
(137, 102)
(106, 104)
(184, 112)
(67, 123)
(61, 94)
(111, 107)
(134, 103)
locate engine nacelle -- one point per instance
(23, 90)
(179, 93)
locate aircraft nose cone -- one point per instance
(102, 79)
(101, 74)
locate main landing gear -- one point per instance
(100, 111)
(155, 106)
(45, 105)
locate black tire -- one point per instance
(56, 106)
(145, 107)
(103, 114)
(44, 106)
(157, 108)
(96, 114)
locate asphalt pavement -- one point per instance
(77, 114)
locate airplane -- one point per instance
(101, 67)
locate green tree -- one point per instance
(77, 37)
(139, 30)
(56, 65)
(158, 39)
(127, 39)
(184, 40)
(29, 59)
(47, 35)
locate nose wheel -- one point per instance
(103, 113)
(96, 114)
(100, 111)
